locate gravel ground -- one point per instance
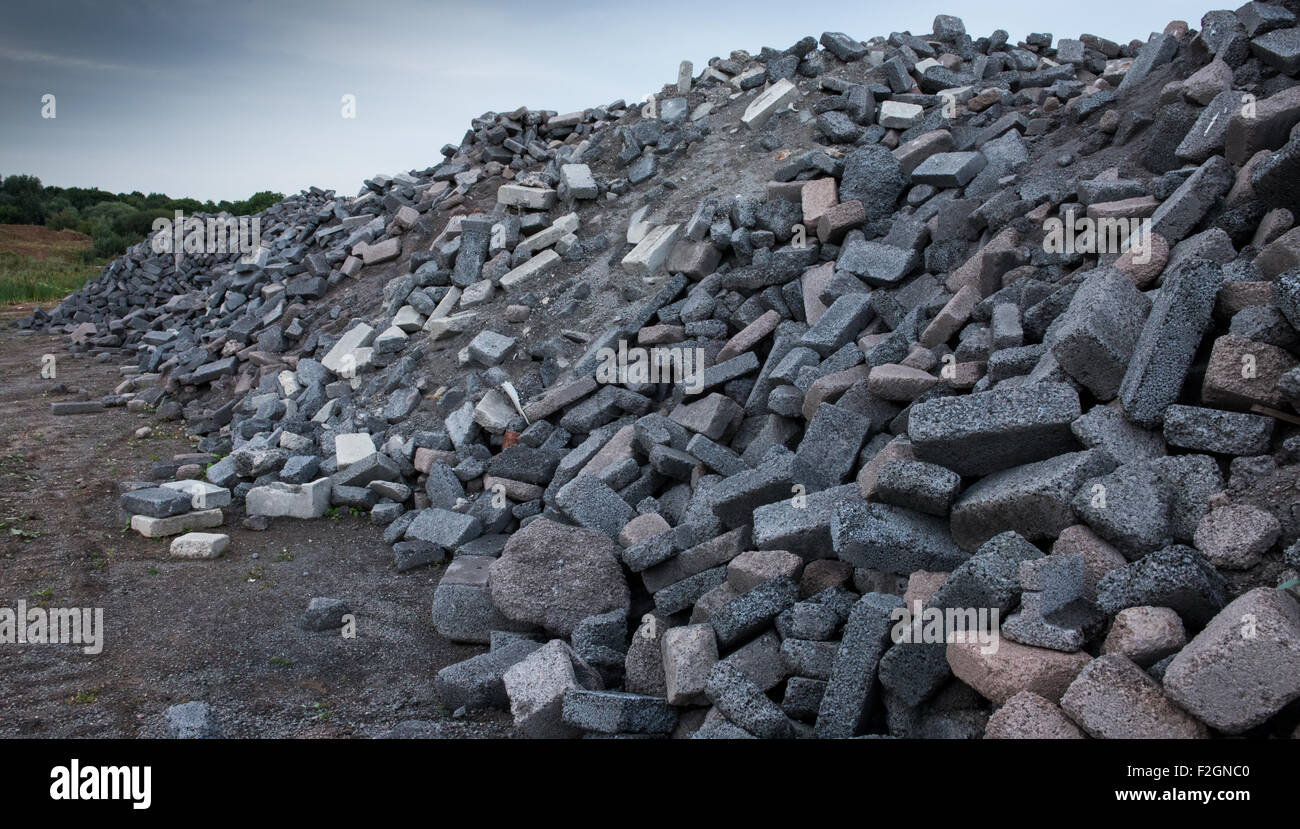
(222, 631)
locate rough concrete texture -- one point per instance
(695, 390)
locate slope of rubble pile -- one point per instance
(909, 397)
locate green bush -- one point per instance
(25, 196)
(108, 212)
(258, 202)
(139, 224)
(109, 245)
(114, 221)
(64, 219)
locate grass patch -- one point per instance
(38, 264)
(24, 279)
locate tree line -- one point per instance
(113, 221)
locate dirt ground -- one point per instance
(42, 243)
(221, 631)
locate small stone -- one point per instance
(324, 614)
(1030, 716)
(1235, 537)
(200, 545)
(1145, 634)
(1112, 698)
(191, 721)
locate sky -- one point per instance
(218, 100)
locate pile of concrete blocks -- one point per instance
(174, 507)
(1001, 332)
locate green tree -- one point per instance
(260, 201)
(65, 218)
(23, 193)
(140, 223)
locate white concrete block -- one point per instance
(650, 254)
(533, 198)
(896, 115)
(177, 524)
(353, 447)
(337, 360)
(538, 265)
(579, 180)
(200, 545)
(769, 102)
(290, 500)
(408, 319)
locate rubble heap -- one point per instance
(981, 326)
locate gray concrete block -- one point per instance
(1177, 577)
(1095, 340)
(850, 692)
(1214, 430)
(749, 613)
(1035, 500)
(984, 432)
(892, 539)
(617, 712)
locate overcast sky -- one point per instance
(221, 99)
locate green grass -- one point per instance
(27, 279)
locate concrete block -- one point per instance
(151, 527)
(651, 253)
(200, 545)
(278, 499)
(1244, 666)
(988, 431)
(1112, 698)
(769, 102)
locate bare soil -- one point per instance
(40, 242)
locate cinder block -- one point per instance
(988, 431)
